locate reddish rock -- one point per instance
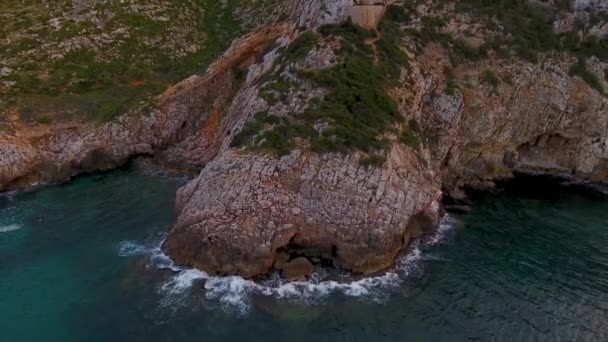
(297, 269)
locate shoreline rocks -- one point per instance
(243, 209)
(297, 269)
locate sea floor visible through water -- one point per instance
(81, 262)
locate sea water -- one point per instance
(82, 262)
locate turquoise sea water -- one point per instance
(80, 262)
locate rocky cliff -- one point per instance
(315, 138)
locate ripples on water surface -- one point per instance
(80, 262)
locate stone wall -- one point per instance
(367, 16)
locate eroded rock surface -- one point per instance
(243, 208)
(189, 109)
(542, 121)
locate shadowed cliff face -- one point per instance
(31, 154)
(243, 208)
(542, 121)
(300, 182)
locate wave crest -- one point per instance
(10, 228)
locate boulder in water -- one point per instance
(298, 269)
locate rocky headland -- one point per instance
(331, 133)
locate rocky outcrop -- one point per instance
(189, 109)
(297, 269)
(243, 208)
(585, 4)
(537, 119)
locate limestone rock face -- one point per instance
(17, 158)
(315, 13)
(243, 208)
(187, 111)
(543, 120)
(584, 4)
(298, 269)
(68, 150)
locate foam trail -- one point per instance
(234, 292)
(158, 259)
(10, 228)
(445, 226)
(132, 248)
(183, 281)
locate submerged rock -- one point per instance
(280, 260)
(297, 269)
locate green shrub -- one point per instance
(356, 112)
(374, 160)
(392, 58)
(45, 120)
(239, 74)
(411, 135)
(301, 46)
(250, 130)
(580, 69)
(527, 28)
(450, 81)
(399, 14)
(278, 87)
(489, 77)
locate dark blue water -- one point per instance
(79, 262)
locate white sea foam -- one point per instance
(10, 228)
(234, 293)
(132, 248)
(183, 281)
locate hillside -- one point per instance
(96, 59)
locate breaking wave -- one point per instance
(10, 228)
(235, 293)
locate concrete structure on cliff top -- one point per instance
(367, 13)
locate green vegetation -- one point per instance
(412, 135)
(276, 88)
(355, 114)
(431, 31)
(527, 26)
(392, 57)
(523, 28)
(271, 133)
(117, 53)
(300, 47)
(373, 160)
(580, 69)
(489, 77)
(358, 110)
(450, 81)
